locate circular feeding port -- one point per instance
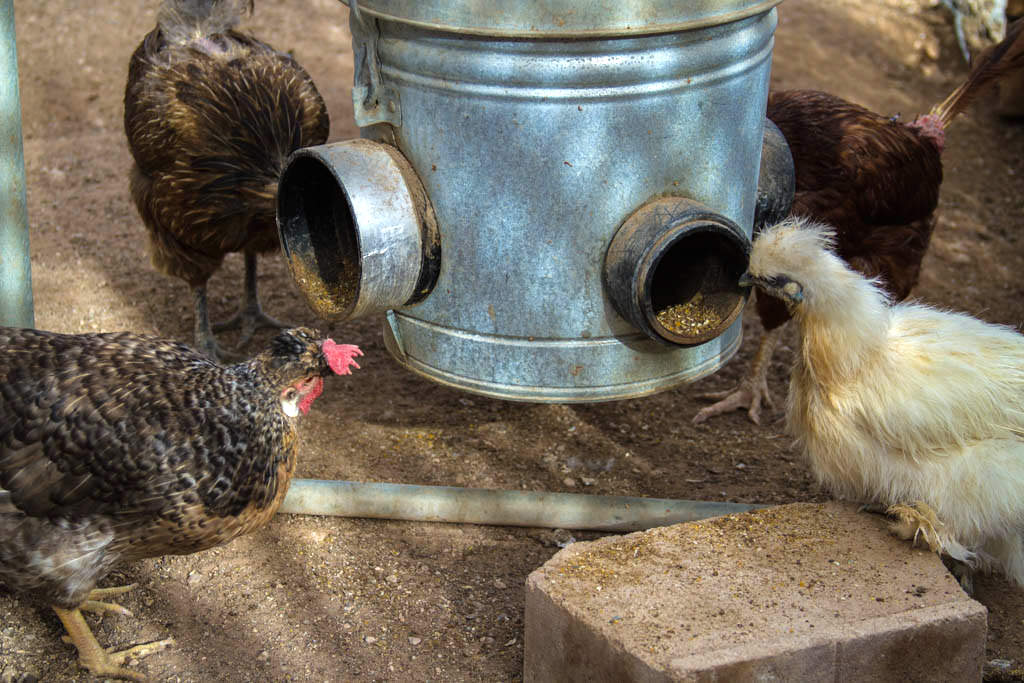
(318, 237)
(694, 295)
(357, 229)
(673, 271)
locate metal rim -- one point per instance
(560, 33)
(659, 251)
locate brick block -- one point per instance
(802, 592)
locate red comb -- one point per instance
(341, 357)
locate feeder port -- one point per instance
(357, 230)
(673, 271)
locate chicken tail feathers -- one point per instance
(182, 21)
(990, 65)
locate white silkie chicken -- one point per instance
(903, 406)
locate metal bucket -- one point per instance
(542, 182)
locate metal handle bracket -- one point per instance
(373, 101)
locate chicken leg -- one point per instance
(752, 390)
(250, 317)
(204, 339)
(91, 656)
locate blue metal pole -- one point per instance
(15, 267)
(456, 505)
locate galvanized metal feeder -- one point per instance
(552, 200)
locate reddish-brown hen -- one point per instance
(115, 447)
(211, 115)
(876, 180)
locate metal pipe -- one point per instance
(15, 267)
(500, 508)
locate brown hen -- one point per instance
(115, 447)
(872, 177)
(211, 115)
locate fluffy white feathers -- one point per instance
(902, 403)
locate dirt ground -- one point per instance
(346, 599)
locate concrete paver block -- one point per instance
(802, 592)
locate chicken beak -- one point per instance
(746, 280)
(324, 367)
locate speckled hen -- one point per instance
(211, 115)
(115, 447)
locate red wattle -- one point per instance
(309, 397)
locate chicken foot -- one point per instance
(915, 521)
(91, 655)
(752, 389)
(918, 520)
(250, 317)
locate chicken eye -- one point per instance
(793, 290)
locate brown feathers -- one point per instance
(210, 124)
(874, 178)
(211, 115)
(117, 447)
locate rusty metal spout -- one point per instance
(673, 271)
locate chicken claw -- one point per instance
(248, 320)
(91, 655)
(250, 317)
(94, 602)
(752, 390)
(747, 395)
(918, 520)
